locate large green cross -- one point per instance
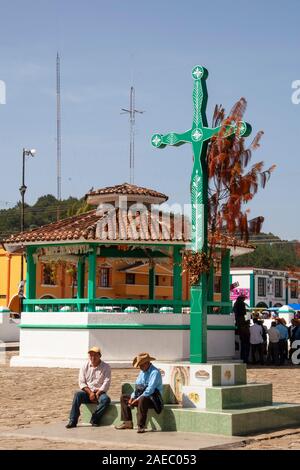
(199, 136)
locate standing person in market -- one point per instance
(242, 327)
(273, 348)
(283, 340)
(256, 341)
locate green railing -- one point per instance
(117, 305)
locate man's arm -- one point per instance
(152, 384)
(83, 383)
(106, 382)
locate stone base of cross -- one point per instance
(199, 136)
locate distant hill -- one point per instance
(270, 252)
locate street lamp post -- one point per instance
(30, 153)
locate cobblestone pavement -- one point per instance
(43, 395)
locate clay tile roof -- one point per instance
(153, 225)
(127, 189)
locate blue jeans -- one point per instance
(82, 397)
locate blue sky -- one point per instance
(251, 49)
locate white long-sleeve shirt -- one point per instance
(256, 332)
(96, 378)
(274, 335)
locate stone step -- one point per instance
(230, 397)
(231, 422)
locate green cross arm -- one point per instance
(199, 132)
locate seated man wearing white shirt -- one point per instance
(94, 382)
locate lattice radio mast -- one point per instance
(58, 128)
(131, 111)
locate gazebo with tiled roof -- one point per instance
(128, 225)
(138, 231)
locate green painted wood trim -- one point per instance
(92, 257)
(184, 303)
(225, 279)
(210, 287)
(80, 278)
(30, 277)
(151, 280)
(252, 290)
(177, 275)
(121, 326)
(110, 242)
(114, 252)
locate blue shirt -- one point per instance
(152, 379)
(284, 332)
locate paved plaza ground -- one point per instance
(31, 397)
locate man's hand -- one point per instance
(133, 402)
(98, 393)
(93, 397)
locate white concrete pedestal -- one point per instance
(62, 339)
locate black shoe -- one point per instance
(94, 423)
(71, 424)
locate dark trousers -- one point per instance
(257, 348)
(82, 397)
(273, 356)
(283, 351)
(144, 404)
(245, 350)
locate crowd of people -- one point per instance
(261, 345)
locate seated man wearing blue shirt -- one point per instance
(148, 383)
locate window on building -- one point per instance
(278, 287)
(104, 278)
(156, 280)
(261, 286)
(49, 275)
(130, 278)
(294, 289)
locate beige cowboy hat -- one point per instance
(141, 359)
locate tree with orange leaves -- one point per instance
(232, 183)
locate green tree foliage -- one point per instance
(47, 209)
(271, 254)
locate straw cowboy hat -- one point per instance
(141, 358)
(281, 320)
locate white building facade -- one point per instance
(265, 288)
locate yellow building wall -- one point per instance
(10, 267)
(10, 275)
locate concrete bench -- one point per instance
(237, 410)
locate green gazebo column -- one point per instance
(92, 258)
(30, 277)
(225, 279)
(177, 278)
(210, 286)
(80, 281)
(151, 284)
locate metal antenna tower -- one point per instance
(58, 128)
(131, 111)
